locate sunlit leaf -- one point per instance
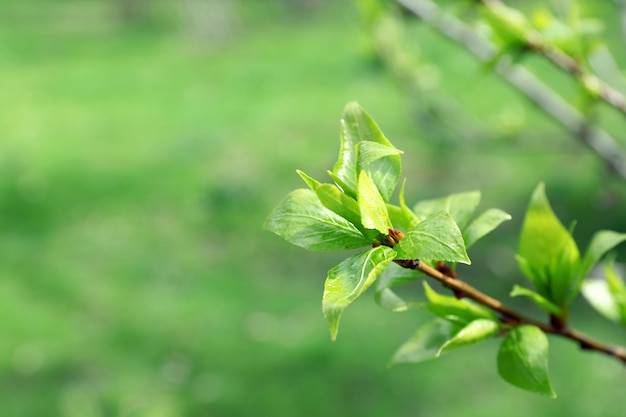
(607, 296)
(358, 126)
(547, 253)
(425, 343)
(394, 275)
(454, 310)
(437, 237)
(333, 199)
(302, 220)
(601, 242)
(348, 280)
(523, 360)
(475, 331)
(368, 152)
(372, 207)
(538, 299)
(483, 224)
(461, 207)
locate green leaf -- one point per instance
(373, 209)
(454, 310)
(348, 280)
(607, 296)
(509, 26)
(547, 252)
(617, 289)
(402, 216)
(302, 220)
(358, 126)
(523, 360)
(539, 300)
(475, 331)
(350, 191)
(368, 152)
(394, 275)
(596, 292)
(437, 237)
(425, 343)
(461, 207)
(333, 199)
(484, 224)
(601, 242)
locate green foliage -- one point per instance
(547, 253)
(348, 280)
(356, 212)
(523, 360)
(607, 296)
(437, 237)
(302, 220)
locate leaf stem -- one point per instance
(512, 316)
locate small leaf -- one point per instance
(539, 300)
(368, 152)
(510, 26)
(348, 280)
(547, 252)
(607, 296)
(437, 237)
(461, 207)
(394, 275)
(617, 289)
(596, 292)
(402, 216)
(425, 343)
(601, 242)
(302, 220)
(358, 126)
(456, 311)
(523, 360)
(484, 224)
(373, 209)
(475, 331)
(333, 199)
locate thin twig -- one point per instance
(512, 316)
(570, 65)
(597, 139)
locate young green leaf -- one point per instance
(475, 331)
(368, 152)
(425, 343)
(394, 275)
(348, 280)
(539, 300)
(454, 310)
(607, 296)
(373, 209)
(523, 360)
(437, 237)
(601, 242)
(617, 289)
(484, 224)
(358, 126)
(461, 207)
(547, 252)
(333, 199)
(302, 220)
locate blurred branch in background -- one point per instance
(500, 58)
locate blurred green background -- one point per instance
(143, 145)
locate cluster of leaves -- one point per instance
(355, 212)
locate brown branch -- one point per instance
(512, 316)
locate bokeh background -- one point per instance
(144, 142)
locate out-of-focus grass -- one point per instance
(137, 167)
